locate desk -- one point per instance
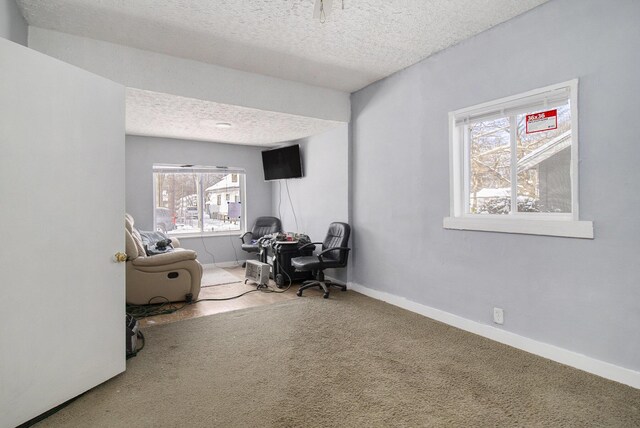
(279, 255)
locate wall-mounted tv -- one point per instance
(282, 163)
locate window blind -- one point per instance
(529, 104)
(191, 169)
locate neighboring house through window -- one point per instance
(191, 197)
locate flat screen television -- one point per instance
(282, 163)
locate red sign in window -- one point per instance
(543, 121)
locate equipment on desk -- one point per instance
(278, 249)
(334, 254)
(263, 226)
(285, 238)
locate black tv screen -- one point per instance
(282, 163)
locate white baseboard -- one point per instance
(551, 352)
(223, 264)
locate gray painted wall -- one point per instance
(322, 195)
(143, 152)
(581, 295)
(12, 24)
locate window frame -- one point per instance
(242, 179)
(553, 224)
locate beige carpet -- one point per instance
(343, 362)
(213, 275)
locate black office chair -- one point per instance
(263, 226)
(334, 254)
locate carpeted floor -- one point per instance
(343, 362)
(213, 275)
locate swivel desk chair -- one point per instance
(263, 226)
(334, 254)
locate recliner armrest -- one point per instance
(166, 258)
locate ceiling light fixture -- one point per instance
(322, 9)
(223, 125)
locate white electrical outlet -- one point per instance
(498, 315)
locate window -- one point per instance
(514, 165)
(188, 200)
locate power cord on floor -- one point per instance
(152, 309)
(220, 299)
(167, 307)
(276, 290)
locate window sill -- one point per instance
(204, 234)
(566, 228)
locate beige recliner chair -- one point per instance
(173, 276)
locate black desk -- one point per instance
(279, 255)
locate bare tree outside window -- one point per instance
(192, 201)
(543, 164)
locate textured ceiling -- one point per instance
(357, 45)
(360, 42)
(163, 115)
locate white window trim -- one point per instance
(207, 234)
(551, 224)
(242, 176)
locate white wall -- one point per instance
(12, 25)
(143, 152)
(322, 195)
(581, 295)
(136, 68)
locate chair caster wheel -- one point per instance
(325, 295)
(299, 293)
